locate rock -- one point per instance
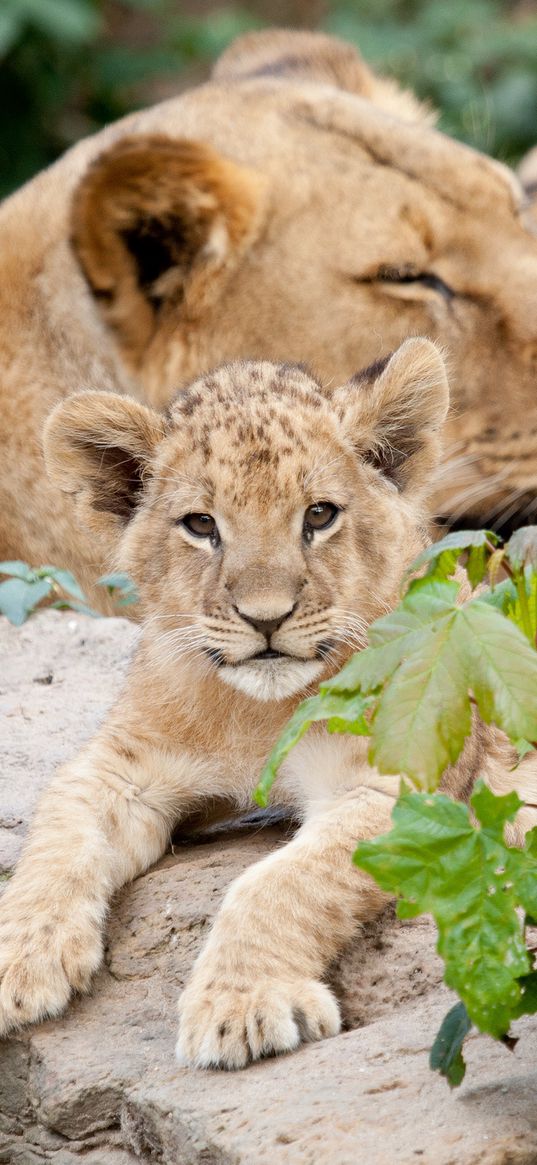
(100, 1086)
(44, 722)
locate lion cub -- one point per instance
(265, 523)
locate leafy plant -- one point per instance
(121, 587)
(412, 691)
(436, 860)
(26, 587)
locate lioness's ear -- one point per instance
(393, 413)
(312, 56)
(158, 221)
(99, 446)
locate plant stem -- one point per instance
(519, 580)
(506, 566)
(522, 593)
(535, 641)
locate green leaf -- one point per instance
(476, 565)
(502, 668)
(524, 873)
(503, 596)
(522, 607)
(495, 564)
(18, 598)
(430, 655)
(493, 811)
(394, 637)
(74, 605)
(436, 860)
(341, 712)
(523, 747)
(527, 1004)
(443, 555)
(123, 584)
(299, 723)
(346, 715)
(64, 579)
(521, 548)
(17, 569)
(424, 715)
(116, 581)
(446, 1053)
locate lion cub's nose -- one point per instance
(265, 626)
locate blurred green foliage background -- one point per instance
(69, 66)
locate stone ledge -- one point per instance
(100, 1086)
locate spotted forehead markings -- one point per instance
(248, 401)
(247, 486)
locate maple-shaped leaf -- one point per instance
(436, 860)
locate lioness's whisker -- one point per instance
(482, 490)
(499, 516)
(454, 468)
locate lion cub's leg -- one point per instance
(104, 819)
(256, 988)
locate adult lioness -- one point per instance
(295, 207)
(265, 527)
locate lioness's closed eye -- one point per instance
(265, 525)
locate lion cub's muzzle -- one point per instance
(282, 660)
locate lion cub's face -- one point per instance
(266, 524)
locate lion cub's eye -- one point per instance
(319, 517)
(201, 526)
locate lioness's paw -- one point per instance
(41, 964)
(229, 1027)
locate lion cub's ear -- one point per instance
(99, 446)
(158, 221)
(393, 413)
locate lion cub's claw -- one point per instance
(228, 1028)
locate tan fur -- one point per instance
(255, 445)
(271, 213)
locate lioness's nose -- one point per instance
(265, 626)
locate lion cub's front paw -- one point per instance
(41, 963)
(229, 1026)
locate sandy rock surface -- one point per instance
(100, 1086)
